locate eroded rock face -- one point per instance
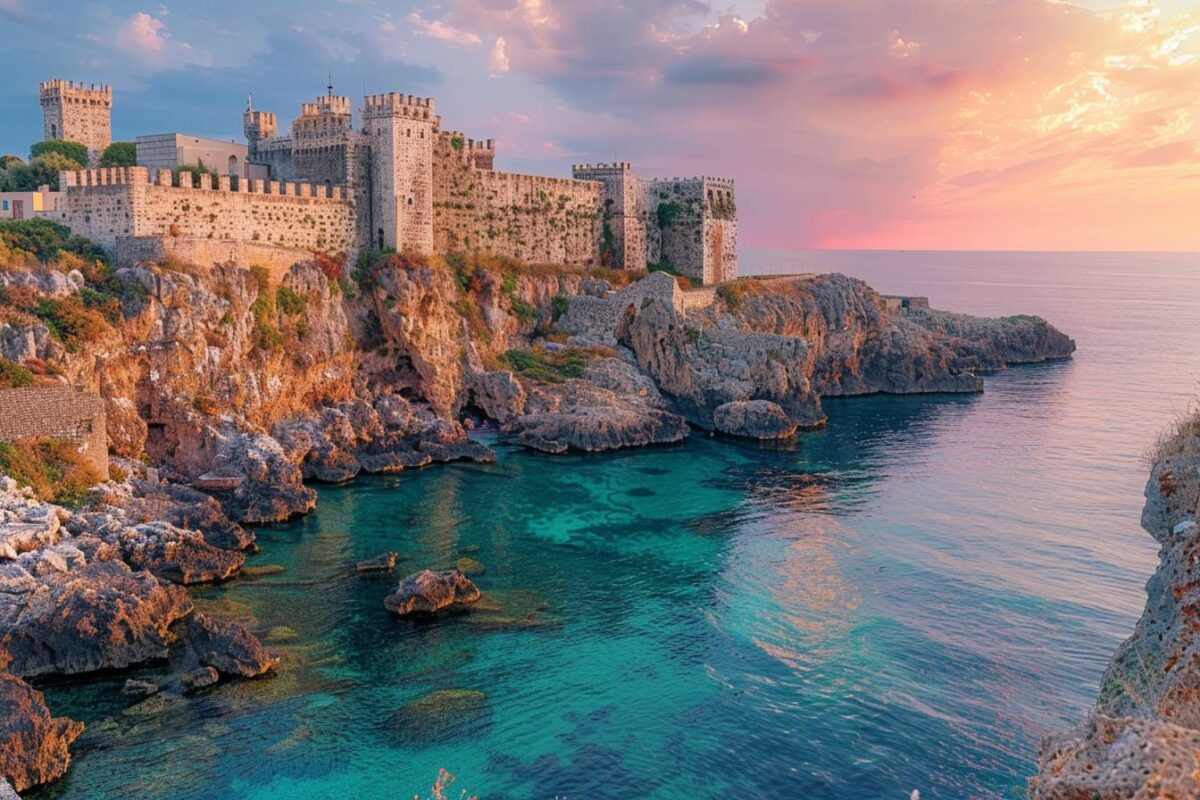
(227, 646)
(753, 419)
(66, 614)
(427, 593)
(613, 406)
(700, 369)
(34, 746)
(1142, 739)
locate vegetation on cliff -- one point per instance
(52, 467)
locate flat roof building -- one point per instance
(27, 205)
(170, 150)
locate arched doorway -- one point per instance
(233, 165)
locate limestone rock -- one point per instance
(228, 646)
(200, 678)
(753, 419)
(427, 593)
(34, 746)
(136, 688)
(611, 407)
(94, 615)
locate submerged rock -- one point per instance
(753, 419)
(228, 646)
(381, 563)
(440, 716)
(200, 678)
(34, 746)
(136, 688)
(427, 593)
(470, 567)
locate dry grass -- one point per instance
(53, 468)
(1181, 437)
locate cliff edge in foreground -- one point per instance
(1142, 738)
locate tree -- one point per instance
(72, 150)
(41, 171)
(119, 154)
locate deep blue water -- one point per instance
(907, 599)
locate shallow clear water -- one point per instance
(907, 599)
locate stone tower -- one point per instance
(623, 228)
(257, 125)
(77, 113)
(400, 131)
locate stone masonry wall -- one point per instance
(533, 218)
(108, 204)
(58, 412)
(75, 112)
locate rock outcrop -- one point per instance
(753, 419)
(427, 593)
(612, 406)
(227, 646)
(1142, 739)
(34, 745)
(67, 614)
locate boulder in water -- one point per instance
(427, 593)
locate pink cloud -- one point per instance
(148, 39)
(868, 121)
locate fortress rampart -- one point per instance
(400, 181)
(109, 204)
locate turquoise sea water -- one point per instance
(907, 599)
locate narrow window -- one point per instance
(381, 238)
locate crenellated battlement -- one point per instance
(602, 169)
(397, 104)
(326, 104)
(61, 87)
(166, 179)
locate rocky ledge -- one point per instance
(1142, 738)
(102, 589)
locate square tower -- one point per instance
(74, 112)
(623, 245)
(400, 131)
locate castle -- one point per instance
(397, 180)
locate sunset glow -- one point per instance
(975, 124)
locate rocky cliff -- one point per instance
(1142, 738)
(226, 392)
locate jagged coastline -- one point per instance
(225, 393)
(1141, 740)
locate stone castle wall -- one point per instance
(107, 205)
(57, 412)
(533, 218)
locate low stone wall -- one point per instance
(134, 250)
(57, 412)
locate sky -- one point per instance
(894, 124)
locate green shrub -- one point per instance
(119, 154)
(559, 305)
(13, 375)
(545, 365)
(71, 150)
(289, 301)
(524, 311)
